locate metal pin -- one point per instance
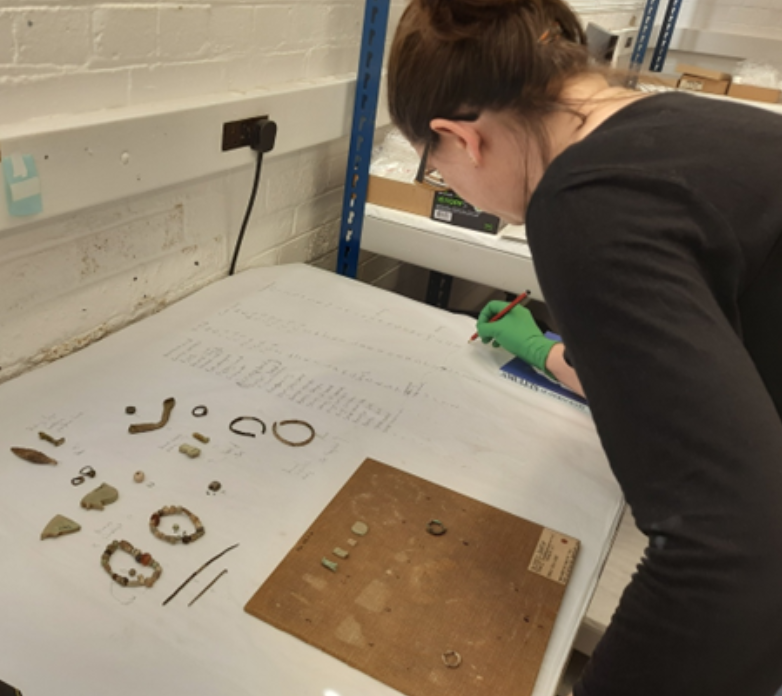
(207, 587)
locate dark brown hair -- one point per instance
(450, 57)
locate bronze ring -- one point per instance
(87, 471)
(200, 411)
(452, 659)
(436, 528)
(77, 481)
(243, 418)
(294, 422)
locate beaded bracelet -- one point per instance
(140, 557)
(154, 522)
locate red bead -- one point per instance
(146, 559)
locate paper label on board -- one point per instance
(554, 556)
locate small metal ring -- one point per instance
(289, 442)
(452, 659)
(436, 528)
(241, 432)
(77, 481)
(87, 471)
(200, 411)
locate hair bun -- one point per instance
(466, 17)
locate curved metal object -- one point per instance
(290, 443)
(168, 406)
(436, 528)
(56, 442)
(242, 432)
(452, 659)
(200, 411)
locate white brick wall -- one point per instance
(70, 280)
(133, 46)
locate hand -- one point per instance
(516, 332)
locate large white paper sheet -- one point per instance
(375, 374)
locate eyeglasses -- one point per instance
(431, 177)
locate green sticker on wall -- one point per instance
(22, 185)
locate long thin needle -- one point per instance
(211, 560)
(192, 601)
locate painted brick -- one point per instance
(164, 82)
(7, 47)
(280, 68)
(124, 35)
(344, 22)
(183, 31)
(290, 183)
(231, 29)
(325, 61)
(311, 246)
(272, 25)
(308, 25)
(314, 213)
(59, 36)
(264, 232)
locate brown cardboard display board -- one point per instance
(763, 94)
(488, 589)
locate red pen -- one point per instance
(507, 309)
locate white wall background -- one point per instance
(68, 280)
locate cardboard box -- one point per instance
(696, 83)
(658, 80)
(762, 94)
(421, 200)
(696, 71)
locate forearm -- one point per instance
(556, 365)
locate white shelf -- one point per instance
(494, 260)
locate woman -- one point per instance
(655, 224)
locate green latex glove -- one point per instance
(516, 332)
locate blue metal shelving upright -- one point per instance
(368, 77)
(645, 34)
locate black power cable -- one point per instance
(262, 141)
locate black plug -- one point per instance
(264, 135)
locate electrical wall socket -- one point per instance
(238, 134)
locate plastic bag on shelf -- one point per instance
(757, 74)
(395, 158)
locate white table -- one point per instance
(376, 374)
(502, 261)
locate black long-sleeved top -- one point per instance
(657, 242)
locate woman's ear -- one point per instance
(461, 135)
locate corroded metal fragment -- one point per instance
(56, 442)
(168, 406)
(58, 526)
(101, 496)
(33, 456)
